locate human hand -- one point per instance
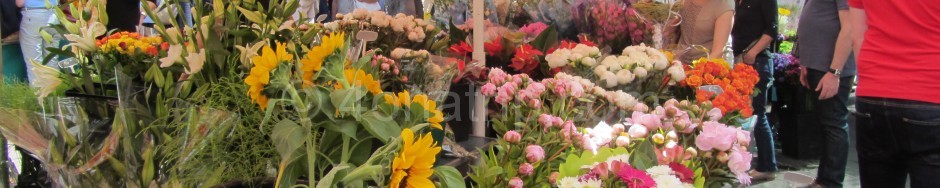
(828, 86)
(750, 57)
(803, 77)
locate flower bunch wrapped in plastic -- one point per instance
(637, 62)
(736, 85)
(398, 31)
(613, 24)
(131, 44)
(421, 73)
(579, 57)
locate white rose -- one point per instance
(559, 58)
(575, 56)
(640, 72)
(612, 63)
(594, 51)
(625, 77)
(589, 61)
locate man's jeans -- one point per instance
(832, 115)
(763, 134)
(897, 138)
(33, 21)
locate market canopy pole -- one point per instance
(479, 107)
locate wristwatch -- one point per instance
(837, 72)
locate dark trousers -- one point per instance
(832, 115)
(897, 138)
(763, 133)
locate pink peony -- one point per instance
(638, 131)
(568, 129)
(498, 76)
(547, 121)
(515, 182)
(601, 169)
(519, 79)
(536, 88)
(587, 143)
(743, 137)
(553, 178)
(739, 163)
(640, 107)
(534, 102)
(716, 136)
(525, 169)
(561, 88)
(512, 137)
(651, 121)
(576, 89)
(488, 90)
(504, 93)
(714, 114)
(534, 153)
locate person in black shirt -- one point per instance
(755, 27)
(124, 15)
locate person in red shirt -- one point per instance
(898, 91)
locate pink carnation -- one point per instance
(488, 90)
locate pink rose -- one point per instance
(525, 169)
(488, 90)
(515, 182)
(497, 76)
(739, 163)
(716, 136)
(714, 114)
(638, 131)
(534, 153)
(512, 137)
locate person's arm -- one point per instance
(859, 26)
(722, 32)
(769, 13)
(829, 84)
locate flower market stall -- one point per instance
(247, 96)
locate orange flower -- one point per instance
(694, 81)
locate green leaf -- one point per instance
(546, 39)
(457, 35)
(321, 98)
(345, 100)
(346, 127)
(380, 125)
(699, 179)
(288, 137)
(148, 170)
(449, 177)
(327, 181)
(362, 173)
(251, 15)
(644, 156)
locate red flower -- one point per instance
(565, 44)
(584, 40)
(461, 49)
(494, 47)
(635, 178)
(683, 173)
(526, 59)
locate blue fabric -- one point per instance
(832, 116)
(763, 133)
(39, 3)
(897, 140)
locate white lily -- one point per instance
(196, 61)
(85, 40)
(173, 55)
(246, 52)
(47, 79)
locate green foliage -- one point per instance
(18, 95)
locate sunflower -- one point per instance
(403, 98)
(260, 74)
(436, 116)
(313, 61)
(357, 77)
(412, 167)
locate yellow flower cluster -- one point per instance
(413, 166)
(128, 43)
(313, 61)
(783, 11)
(719, 61)
(260, 74)
(357, 77)
(404, 98)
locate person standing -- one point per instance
(829, 70)
(898, 87)
(705, 23)
(36, 15)
(755, 27)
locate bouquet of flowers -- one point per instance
(736, 85)
(398, 31)
(786, 69)
(640, 70)
(608, 20)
